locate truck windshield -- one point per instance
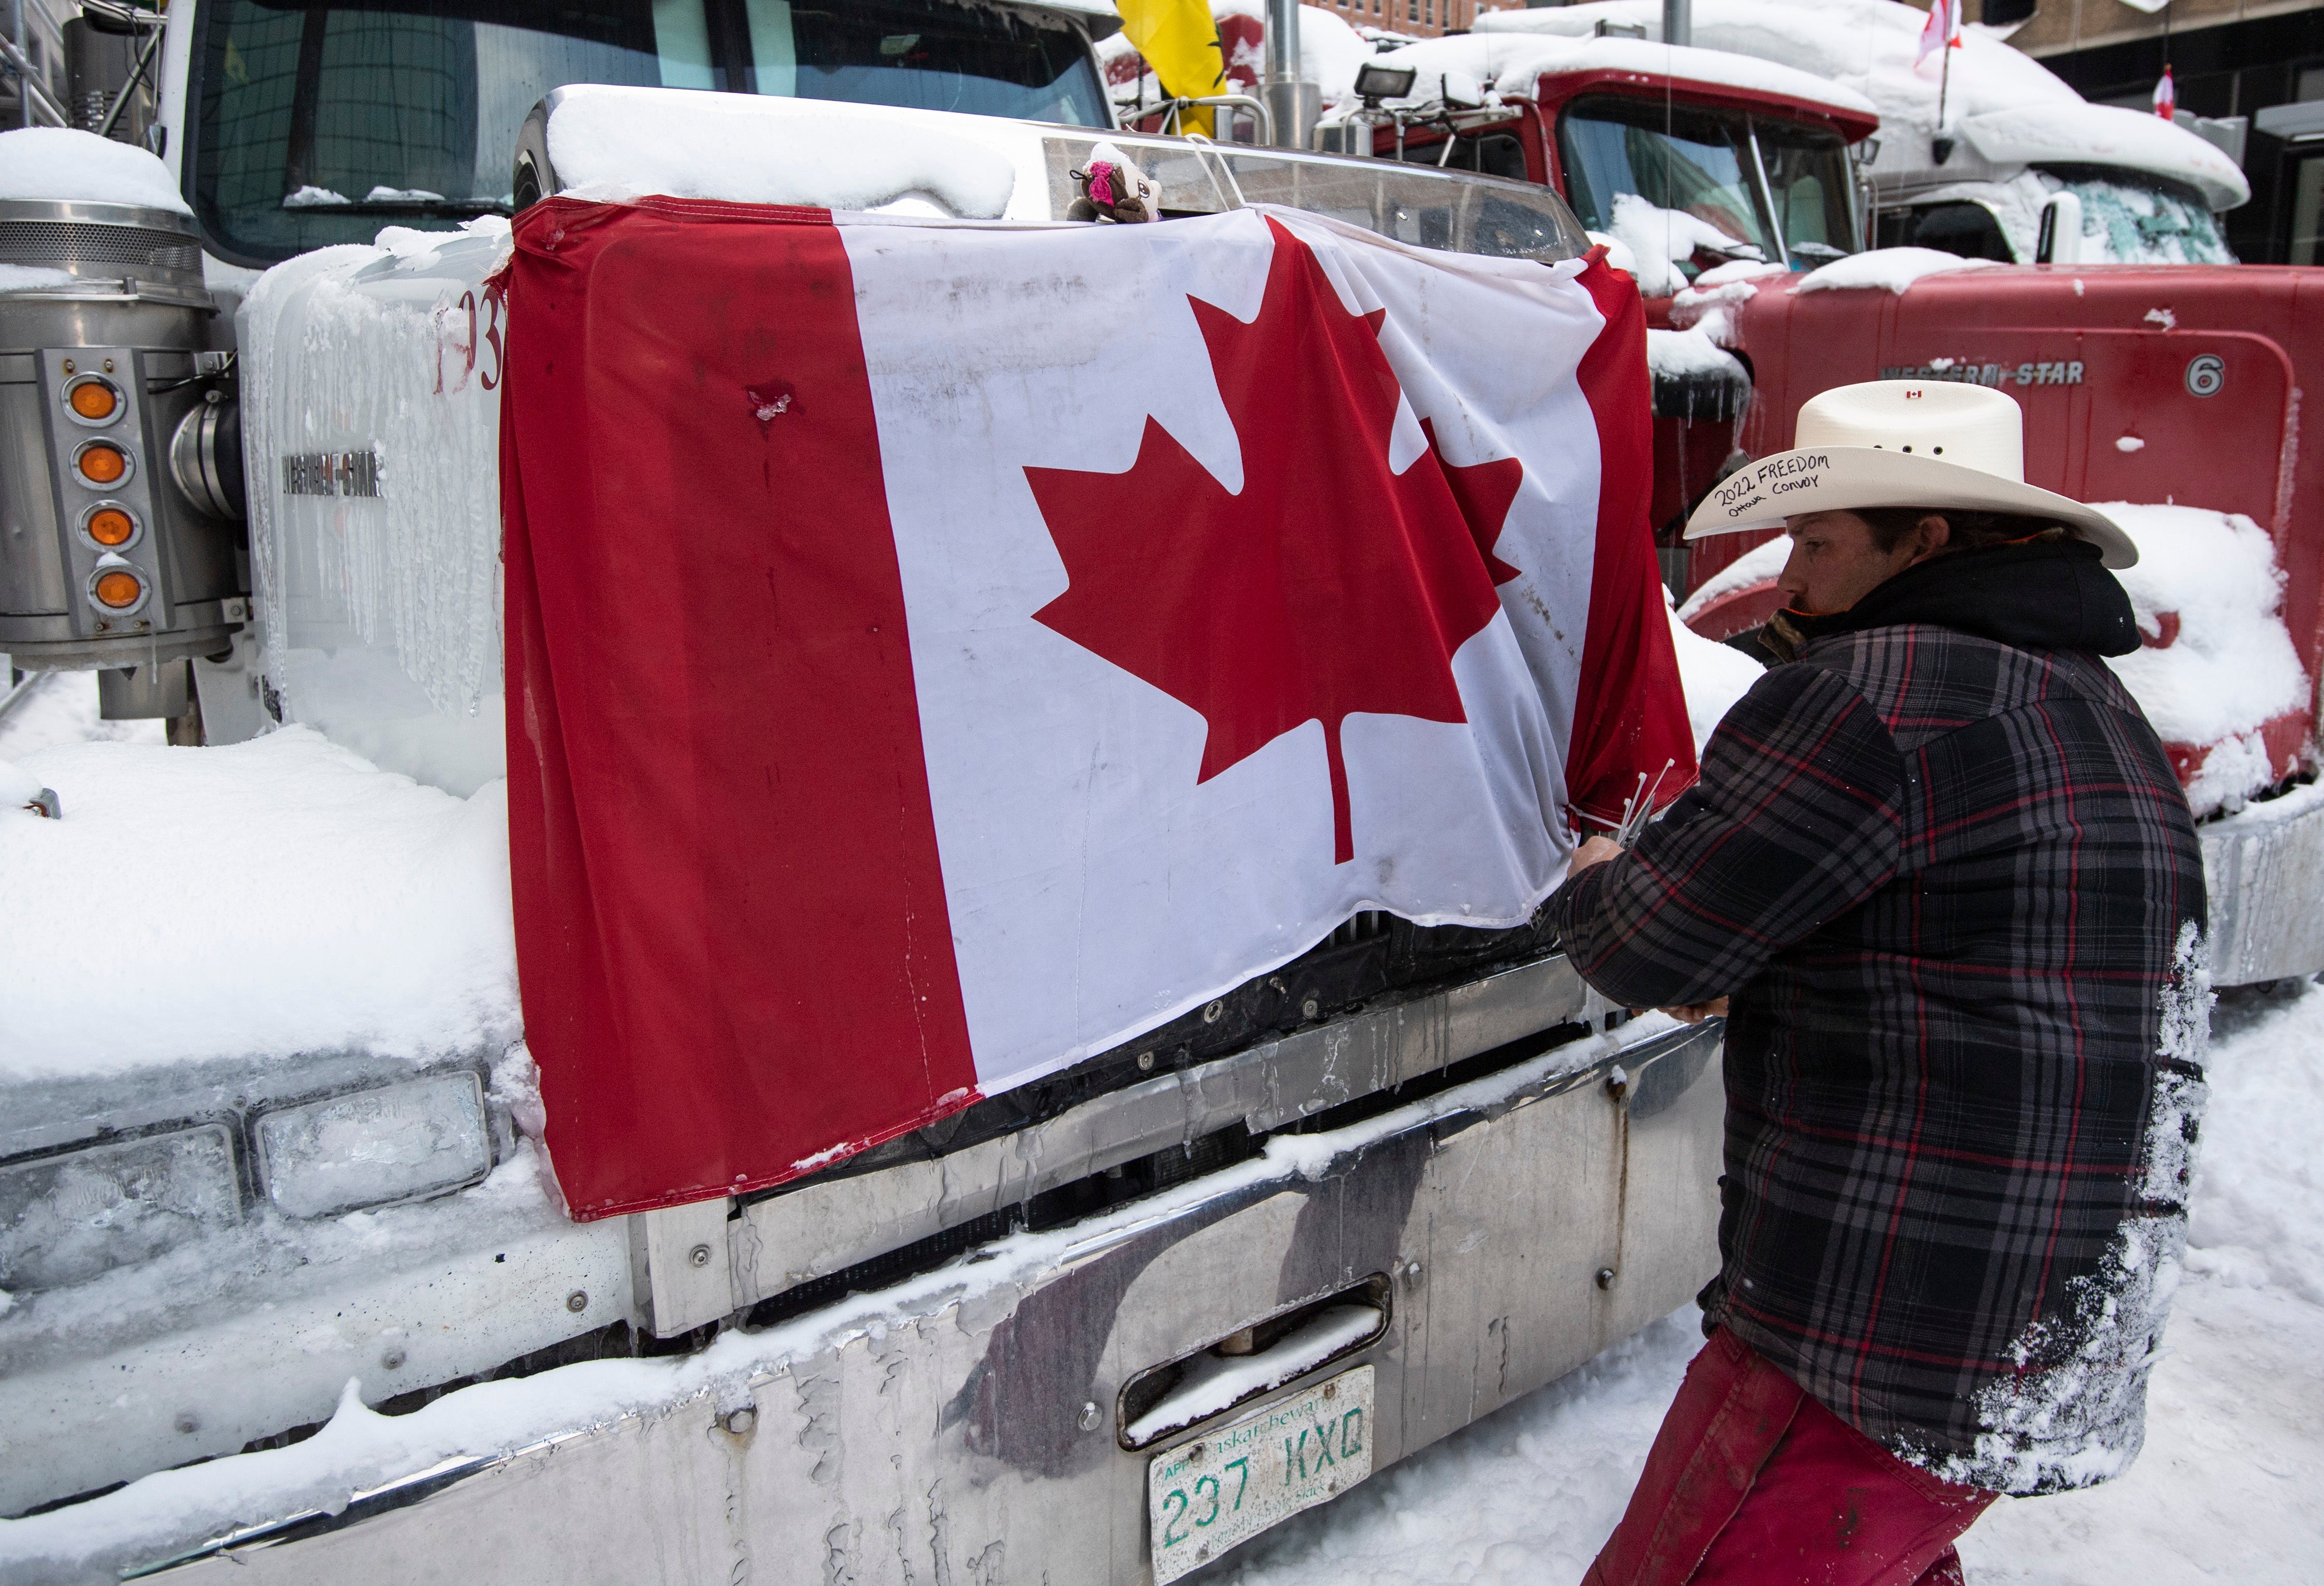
(316, 124)
(1693, 176)
(2130, 217)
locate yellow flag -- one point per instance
(1181, 43)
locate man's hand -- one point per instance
(1596, 851)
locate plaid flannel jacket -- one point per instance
(1954, 891)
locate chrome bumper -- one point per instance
(2264, 870)
(969, 1420)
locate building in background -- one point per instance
(1419, 19)
(2256, 62)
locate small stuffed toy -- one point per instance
(1111, 189)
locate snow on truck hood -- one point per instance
(292, 898)
(2008, 107)
(2218, 662)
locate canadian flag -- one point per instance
(1943, 28)
(2166, 96)
(939, 652)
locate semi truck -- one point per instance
(316, 1307)
(1736, 189)
(1976, 145)
(1420, 1164)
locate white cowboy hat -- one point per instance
(1901, 443)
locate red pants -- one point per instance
(1752, 1481)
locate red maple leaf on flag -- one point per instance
(1329, 585)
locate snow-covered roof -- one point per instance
(2053, 134)
(1870, 47)
(1510, 63)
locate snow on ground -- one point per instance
(249, 946)
(2225, 1491)
(52, 709)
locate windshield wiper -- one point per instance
(464, 208)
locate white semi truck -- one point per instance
(314, 1312)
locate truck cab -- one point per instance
(1971, 154)
(1697, 169)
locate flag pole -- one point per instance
(1941, 145)
(1945, 71)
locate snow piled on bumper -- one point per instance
(278, 896)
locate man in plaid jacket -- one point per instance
(1940, 865)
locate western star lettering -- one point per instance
(1969, 371)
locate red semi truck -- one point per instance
(1731, 186)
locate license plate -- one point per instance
(1205, 1496)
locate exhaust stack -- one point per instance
(1293, 104)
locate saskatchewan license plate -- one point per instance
(1205, 1496)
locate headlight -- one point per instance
(66, 1219)
(375, 1146)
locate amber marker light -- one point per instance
(102, 463)
(93, 401)
(111, 527)
(117, 589)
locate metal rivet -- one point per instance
(1202, 1553)
(1618, 1085)
(577, 1301)
(392, 1358)
(739, 1421)
(1213, 1011)
(1412, 1274)
(189, 1422)
(1194, 1453)
(108, 365)
(1330, 1390)
(699, 1256)
(1090, 1415)
(1145, 1060)
(69, 367)
(1605, 1277)
(1309, 1009)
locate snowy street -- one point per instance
(2225, 1490)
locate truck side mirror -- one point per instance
(2061, 239)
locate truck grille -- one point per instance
(65, 245)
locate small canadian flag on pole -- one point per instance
(1943, 28)
(2166, 96)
